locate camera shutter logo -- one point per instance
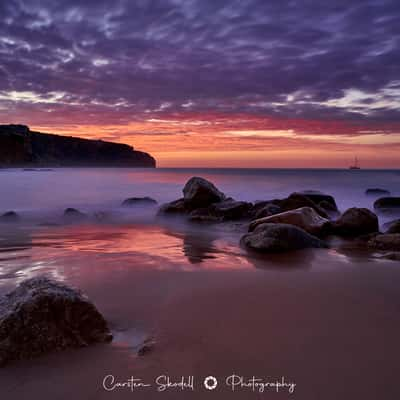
(210, 383)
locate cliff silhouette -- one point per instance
(19, 146)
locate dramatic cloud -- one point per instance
(124, 62)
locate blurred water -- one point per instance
(43, 192)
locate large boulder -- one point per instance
(377, 192)
(226, 210)
(386, 241)
(275, 238)
(265, 209)
(199, 193)
(355, 222)
(139, 202)
(317, 197)
(305, 218)
(298, 200)
(387, 204)
(42, 315)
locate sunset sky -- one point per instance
(234, 83)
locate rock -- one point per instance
(174, 207)
(328, 207)
(267, 210)
(200, 193)
(226, 210)
(147, 347)
(9, 216)
(273, 238)
(297, 200)
(387, 204)
(393, 226)
(318, 197)
(74, 214)
(386, 241)
(377, 192)
(139, 201)
(42, 316)
(305, 218)
(394, 256)
(356, 221)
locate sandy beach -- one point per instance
(326, 322)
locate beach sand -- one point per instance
(327, 322)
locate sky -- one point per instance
(210, 83)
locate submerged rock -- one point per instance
(74, 214)
(386, 241)
(274, 238)
(305, 218)
(377, 192)
(9, 216)
(139, 201)
(387, 204)
(42, 316)
(356, 221)
(317, 197)
(199, 193)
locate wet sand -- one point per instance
(327, 322)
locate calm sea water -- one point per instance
(133, 238)
(30, 192)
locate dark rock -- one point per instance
(356, 221)
(20, 146)
(267, 210)
(74, 214)
(297, 200)
(318, 197)
(273, 238)
(387, 204)
(139, 201)
(9, 216)
(174, 207)
(377, 192)
(386, 241)
(328, 207)
(42, 316)
(393, 226)
(305, 218)
(227, 210)
(200, 193)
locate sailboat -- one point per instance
(356, 165)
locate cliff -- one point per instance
(19, 146)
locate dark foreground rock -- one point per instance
(265, 209)
(9, 216)
(305, 218)
(139, 202)
(318, 197)
(386, 241)
(199, 193)
(387, 205)
(21, 146)
(42, 316)
(355, 222)
(298, 200)
(174, 207)
(377, 192)
(275, 238)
